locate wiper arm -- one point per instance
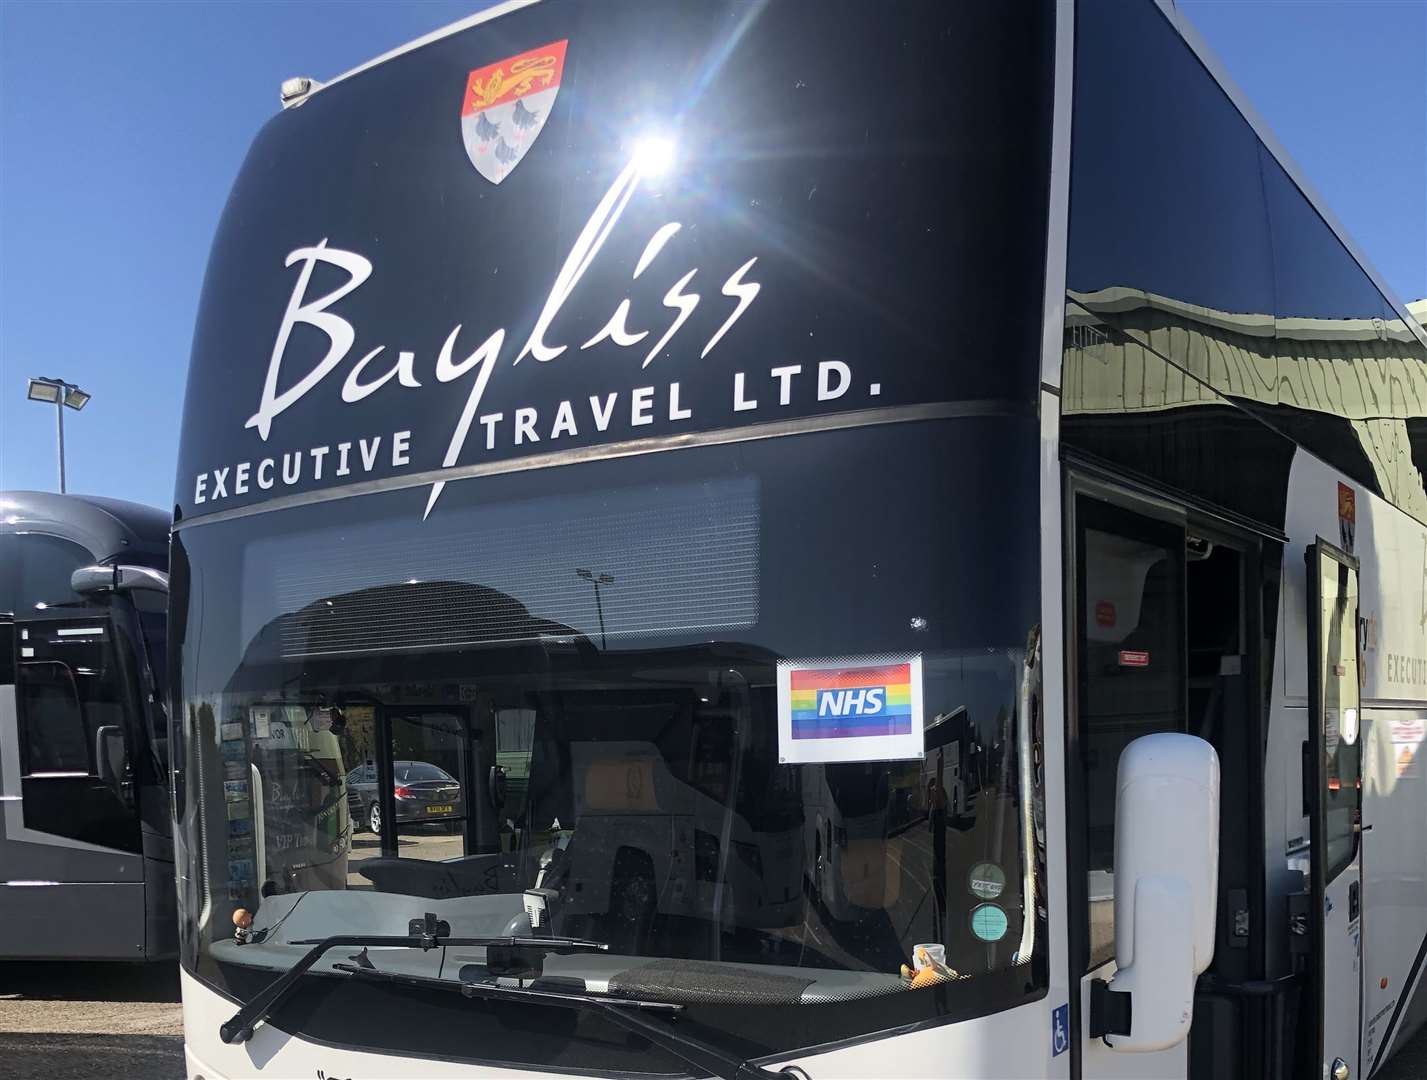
(425, 934)
(696, 1052)
(626, 1013)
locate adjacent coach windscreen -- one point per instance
(608, 509)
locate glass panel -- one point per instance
(428, 763)
(1347, 380)
(298, 796)
(1341, 723)
(69, 686)
(1165, 187)
(357, 742)
(515, 744)
(71, 693)
(1189, 239)
(1131, 643)
(624, 754)
(35, 571)
(54, 737)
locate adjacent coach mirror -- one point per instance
(1166, 884)
(88, 580)
(111, 762)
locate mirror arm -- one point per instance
(88, 580)
(1110, 1010)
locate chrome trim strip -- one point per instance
(426, 39)
(896, 414)
(1057, 232)
(63, 884)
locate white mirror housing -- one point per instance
(1166, 884)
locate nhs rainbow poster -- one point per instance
(866, 708)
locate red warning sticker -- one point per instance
(1134, 658)
(1104, 613)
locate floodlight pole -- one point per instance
(597, 580)
(66, 396)
(59, 435)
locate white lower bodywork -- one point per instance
(994, 1047)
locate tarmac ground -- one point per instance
(66, 1021)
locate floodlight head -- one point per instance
(75, 398)
(45, 390)
(588, 575)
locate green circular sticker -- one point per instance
(988, 922)
(987, 881)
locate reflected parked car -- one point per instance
(423, 793)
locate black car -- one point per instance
(423, 793)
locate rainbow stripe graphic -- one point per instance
(851, 702)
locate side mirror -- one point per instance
(110, 761)
(89, 580)
(1166, 890)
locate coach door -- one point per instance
(1129, 663)
(1163, 622)
(69, 827)
(1335, 755)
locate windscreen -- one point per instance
(828, 763)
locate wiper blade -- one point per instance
(425, 934)
(626, 1013)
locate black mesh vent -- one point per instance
(604, 565)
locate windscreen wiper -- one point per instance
(623, 1012)
(696, 1052)
(425, 934)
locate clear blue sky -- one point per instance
(122, 126)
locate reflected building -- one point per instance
(1351, 391)
(1215, 321)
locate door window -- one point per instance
(1130, 650)
(54, 742)
(1338, 711)
(75, 711)
(68, 690)
(429, 799)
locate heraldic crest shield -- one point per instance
(506, 106)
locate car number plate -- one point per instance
(439, 809)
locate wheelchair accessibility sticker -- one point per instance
(1060, 1030)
